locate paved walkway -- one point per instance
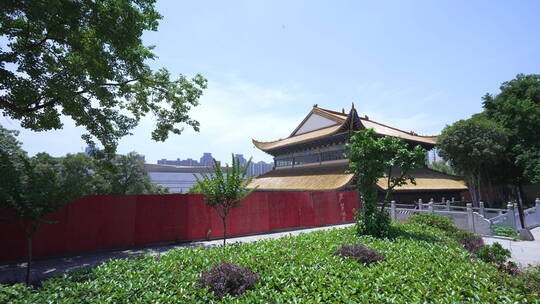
(523, 253)
(46, 268)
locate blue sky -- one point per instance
(415, 65)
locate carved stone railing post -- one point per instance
(537, 211)
(510, 215)
(393, 210)
(420, 204)
(448, 205)
(470, 217)
(482, 211)
(430, 206)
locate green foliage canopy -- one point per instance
(373, 158)
(473, 147)
(441, 166)
(32, 188)
(125, 174)
(517, 109)
(85, 59)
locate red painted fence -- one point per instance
(117, 221)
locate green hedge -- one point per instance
(434, 220)
(421, 264)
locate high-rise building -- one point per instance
(88, 151)
(189, 162)
(206, 160)
(241, 158)
(169, 162)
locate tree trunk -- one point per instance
(520, 206)
(224, 230)
(388, 189)
(479, 188)
(490, 194)
(29, 260)
(360, 201)
(472, 189)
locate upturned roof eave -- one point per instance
(352, 123)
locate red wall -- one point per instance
(116, 221)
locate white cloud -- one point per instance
(231, 113)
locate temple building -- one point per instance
(313, 158)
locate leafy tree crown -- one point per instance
(86, 60)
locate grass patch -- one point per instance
(422, 264)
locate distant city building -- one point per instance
(178, 179)
(178, 162)
(261, 168)
(88, 151)
(207, 160)
(241, 158)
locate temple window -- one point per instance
(334, 152)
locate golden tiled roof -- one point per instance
(329, 177)
(341, 119)
(428, 179)
(390, 131)
(308, 178)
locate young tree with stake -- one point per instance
(224, 190)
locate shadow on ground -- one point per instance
(47, 268)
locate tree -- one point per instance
(32, 188)
(224, 190)
(372, 159)
(85, 59)
(125, 174)
(517, 109)
(80, 172)
(9, 142)
(441, 166)
(473, 146)
(195, 189)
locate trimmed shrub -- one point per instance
(375, 223)
(494, 253)
(510, 268)
(526, 281)
(361, 253)
(470, 241)
(228, 279)
(434, 220)
(530, 280)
